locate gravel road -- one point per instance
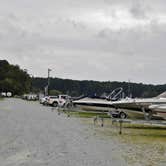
(33, 135)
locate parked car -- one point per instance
(44, 100)
(3, 94)
(9, 94)
(32, 97)
(59, 100)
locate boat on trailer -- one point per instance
(146, 107)
(101, 104)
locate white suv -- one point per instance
(59, 100)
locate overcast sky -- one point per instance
(112, 40)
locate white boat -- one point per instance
(92, 104)
(159, 110)
(141, 106)
(147, 107)
(98, 103)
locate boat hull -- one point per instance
(159, 110)
(93, 108)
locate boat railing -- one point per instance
(116, 94)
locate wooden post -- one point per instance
(120, 126)
(102, 121)
(68, 114)
(59, 112)
(95, 120)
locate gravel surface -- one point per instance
(34, 135)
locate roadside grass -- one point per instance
(140, 144)
(135, 131)
(1, 98)
(131, 132)
(143, 133)
(87, 114)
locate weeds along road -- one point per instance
(33, 135)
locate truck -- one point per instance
(58, 101)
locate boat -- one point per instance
(101, 104)
(145, 107)
(93, 104)
(98, 103)
(140, 107)
(159, 110)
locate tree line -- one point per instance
(16, 80)
(13, 79)
(90, 88)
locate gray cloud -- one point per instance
(100, 40)
(138, 10)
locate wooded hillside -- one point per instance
(13, 79)
(76, 88)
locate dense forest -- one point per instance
(13, 79)
(18, 81)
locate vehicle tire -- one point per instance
(55, 104)
(122, 115)
(44, 103)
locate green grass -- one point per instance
(1, 98)
(87, 114)
(142, 144)
(134, 133)
(137, 132)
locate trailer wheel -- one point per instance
(148, 115)
(122, 115)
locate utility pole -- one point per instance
(31, 88)
(48, 81)
(129, 89)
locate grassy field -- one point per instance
(141, 145)
(88, 114)
(134, 130)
